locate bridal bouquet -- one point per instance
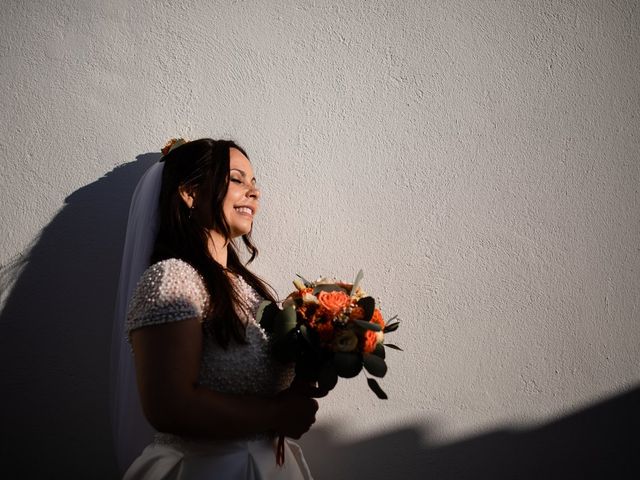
(330, 329)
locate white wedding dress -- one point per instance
(170, 291)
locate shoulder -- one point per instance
(169, 290)
(170, 270)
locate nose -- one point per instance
(253, 192)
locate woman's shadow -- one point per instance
(55, 335)
(55, 342)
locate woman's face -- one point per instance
(242, 200)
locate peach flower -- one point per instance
(371, 338)
(333, 302)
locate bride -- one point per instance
(206, 381)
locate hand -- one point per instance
(308, 388)
(295, 412)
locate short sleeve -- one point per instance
(168, 291)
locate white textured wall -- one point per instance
(479, 160)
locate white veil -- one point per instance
(131, 432)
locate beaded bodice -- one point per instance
(171, 291)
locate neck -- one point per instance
(218, 248)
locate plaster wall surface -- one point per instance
(478, 160)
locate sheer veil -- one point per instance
(131, 432)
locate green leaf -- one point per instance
(310, 336)
(373, 385)
(368, 304)
(356, 283)
(265, 315)
(368, 325)
(306, 282)
(304, 331)
(328, 287)
(374, 365)
(379, 350)
(347, 365)
(395, 347)
(264, 304)
(284, 321)
(391, 327)
(391, 319)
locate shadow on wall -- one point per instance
(600, 442)
(55, 339)
(55, 336)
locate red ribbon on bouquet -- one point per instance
(280, 451)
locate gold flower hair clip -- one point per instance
(171, 144)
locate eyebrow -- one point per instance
(244, 175)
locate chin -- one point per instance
(239, 232)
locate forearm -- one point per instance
(204, 413)
(167, 365)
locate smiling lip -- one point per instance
(245, 210)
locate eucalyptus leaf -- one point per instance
(264, 304)
(368, 325)
(374, 365)
(391, 319)
(368, 304)
(265, 315)
(304, 331)
(395, 347)
(391, 327)
(328, 287)
(356, 283)
(310, 337)
(347, 365)
(379, 350)
(306, 282)
(373, 385)
(284, 321)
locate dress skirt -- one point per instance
(240, 460)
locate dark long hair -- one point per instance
(202, 167)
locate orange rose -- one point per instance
(377, 318)
(304, 291)
(370, 341)
(371, 338)
(333, 302)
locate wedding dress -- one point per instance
(171, 291)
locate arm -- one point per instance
(167, 361)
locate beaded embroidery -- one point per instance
(172, 290)
(168, 291)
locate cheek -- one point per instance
(230, 199)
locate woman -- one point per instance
(205, 377)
